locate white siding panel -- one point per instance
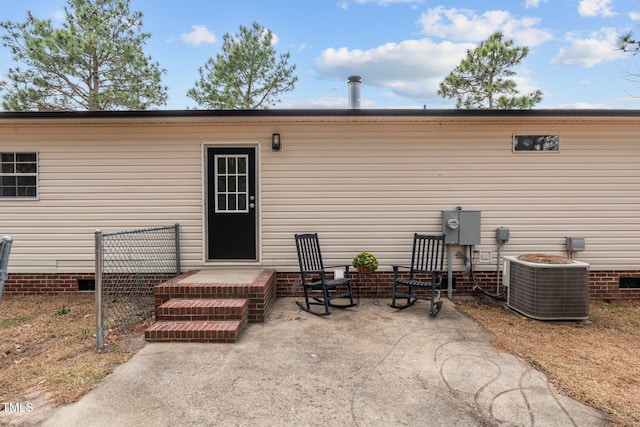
(361, 186)
(369, 187)
(110, 178)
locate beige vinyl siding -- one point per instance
(101, 177)
(368, 187)
(363, 185)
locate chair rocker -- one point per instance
(318, 289)
(426, 262)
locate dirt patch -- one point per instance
(48, 350)
(595, 362)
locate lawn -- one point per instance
(597, 362)
(48, 348)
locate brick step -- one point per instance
(257, 286)
(179, 309)
(220, 331)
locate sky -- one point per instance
(402, 49)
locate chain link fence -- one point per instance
(129, 264)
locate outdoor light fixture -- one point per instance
(276, 144)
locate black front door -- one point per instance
(232, 203)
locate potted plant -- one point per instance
(365, 262)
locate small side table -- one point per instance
(360, 276)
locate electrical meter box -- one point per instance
(461, 227)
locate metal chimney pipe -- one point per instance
(354, 92)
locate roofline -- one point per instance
(449, 113)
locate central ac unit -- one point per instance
(546, 291)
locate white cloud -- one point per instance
(412, 68)
(199, 35)
(582, 106)
(635, 16)
(533, 3)
(598, 47)
(465, 24)
(59, 15)
(524, 83)
(326, 102)
(595, 8)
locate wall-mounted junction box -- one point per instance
(502, 234)
(575, 243)
(461, 227)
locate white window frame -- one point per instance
(14, 172)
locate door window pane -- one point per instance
(222, 202)
(222, 183)
(231, 175)
(242, 202)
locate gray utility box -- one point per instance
(575, 243)
(461, 227)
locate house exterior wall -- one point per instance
(369, 187)
(362, 185)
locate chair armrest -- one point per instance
(335, 266)
(346, 267)
(396, 269)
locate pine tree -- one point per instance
(482, 80)
(95, 61)
(246, 75)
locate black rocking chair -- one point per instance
(426, 261)
(314, 278)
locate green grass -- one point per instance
(12, 320)
(63, 311)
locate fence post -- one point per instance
(5, 250)
(98, 291)
(177, 227)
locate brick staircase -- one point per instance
(211, 306)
